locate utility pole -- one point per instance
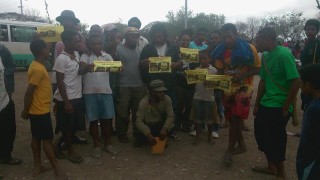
(318, 4)
(186, 14)
(21, 7)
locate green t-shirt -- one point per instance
(282, 69)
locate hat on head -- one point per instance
(67, 14)
(108, 27)
(130, 30)
(157, 85)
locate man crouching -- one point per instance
(155, 115)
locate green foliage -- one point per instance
(289, 26)
(176, 22)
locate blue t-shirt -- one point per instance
(308, 155)
(193, 45)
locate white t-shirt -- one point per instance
(201, 93)
(4, 97)
(96, 82)
(72, 80)
(162, 49)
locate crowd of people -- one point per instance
(161, 104)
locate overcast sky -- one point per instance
(107, 11)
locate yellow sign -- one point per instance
(103, 66)
(195, 76)
(222, 82)
(160, 65)
(50, 33)
(189, 55)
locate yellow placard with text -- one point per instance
(160, 65)
(189, 55)
(222, 82)
(50, 33)
(195, 76)
(107, 66)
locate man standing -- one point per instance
(310, 53)
(68, 95)
(7, 108)
(277, 89)
(135, 22)
(69, 22)
(131, 86)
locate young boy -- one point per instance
(37, 108)
(308, 155)
(204, 107)
(98, 96)
(68, 96)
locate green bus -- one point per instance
(16, 36)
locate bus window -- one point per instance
(22, 34)
(3, 33)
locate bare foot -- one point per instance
(60, 174)
(40, 170)
(239, 150)
(264, 170)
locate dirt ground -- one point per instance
(181, 160)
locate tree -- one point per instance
(288, 26)
(253, 26)
(29, 15)
(175, 21)
(242, 28)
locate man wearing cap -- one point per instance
(136, 23)
(70, 23)
(155, 117)
(131, 86)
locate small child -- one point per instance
(308, 155)
(204, 106)
(37, 108)
(98, 96)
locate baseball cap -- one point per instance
(67, 14)
(130, 30)
(157, 85)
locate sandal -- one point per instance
(263, 170)
(11, 161)
(112, 150)
(76, 159)
(175, 137)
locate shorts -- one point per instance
(205, 111)
(70, 122)
(238, 103)
(99, 106)
(41, 126)
(270, 132)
